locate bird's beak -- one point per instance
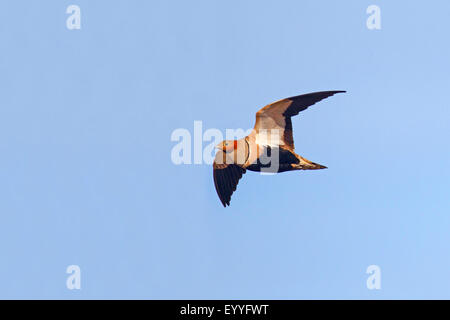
(219, 146)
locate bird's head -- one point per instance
(227, 145)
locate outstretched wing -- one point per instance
(277, 116)
(226, 177)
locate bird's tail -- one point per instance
(305, 164)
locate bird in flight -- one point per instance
(268, 148)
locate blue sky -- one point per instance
(86, 176)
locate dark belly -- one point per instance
(274, 160)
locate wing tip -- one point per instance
(330, 91)
(335, 91)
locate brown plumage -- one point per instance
(268, 148)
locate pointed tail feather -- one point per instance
(305, 164)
